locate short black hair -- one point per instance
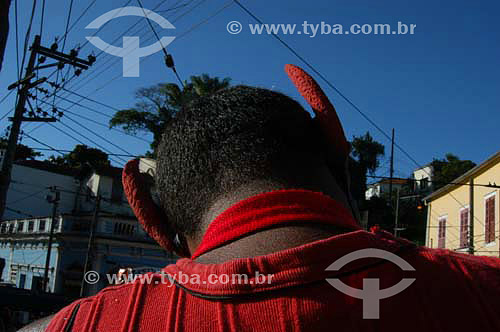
(224, 140)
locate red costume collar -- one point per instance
(271, 209)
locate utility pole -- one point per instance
(392, 167)
(471, 217)
(91, 242)
(54, 200)
(5, 176)
(24, 85)
(396, 229)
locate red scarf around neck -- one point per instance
(270, 210)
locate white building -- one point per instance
(381, 188)
(423, 178)
(119, 242)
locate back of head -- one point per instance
(226, 140)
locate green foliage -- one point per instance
(448, 169)
(159, 104)
(82, 157)
(366, 153)
(22, 151)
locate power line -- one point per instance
(28, 33)
(438, 182)
(113, 60)
(98, 135)
(114, 78)
(94, 121)
(64, 39)
(83, 106)
(19, 212)
(44, 144)
(163, 48)
(90, 99)
(365, 116)
(26, 197)
(87, 138)
(102, 26)
(42, 18)
(79, 17)
(70, 10)
(204, 21)
(62, 151)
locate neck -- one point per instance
(263, 224)
(269, 241)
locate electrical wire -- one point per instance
(102, 124)
(122, 161)
(348, 100)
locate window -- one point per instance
(424, 183)
(123, 229)
(31, 225)
(442, 233)
(20, 226)
(464, 227)
(489, 234)
(41, 225)
(22, 280)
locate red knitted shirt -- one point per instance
(451, 291)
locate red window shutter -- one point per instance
(464, 228)
(442, 233)
(490, 220)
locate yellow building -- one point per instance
(467, 209)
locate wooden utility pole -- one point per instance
(24, 85)
(90, 245)
(391, 168)
(54, 200)
(471, 217)
(396, 221)
(8, 160)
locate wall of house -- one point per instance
(25, 252)
(103, 185)
(449, 206)
(27, 192)
(425, 172)
(119, 242)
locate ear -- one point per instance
(151, 217)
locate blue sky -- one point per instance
(438, 87)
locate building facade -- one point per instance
(423, 177)
(465, 217)
(119, 241)
(381, 188)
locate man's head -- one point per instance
(238, 138)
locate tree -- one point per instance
(82, 157)
(366, 153)
(158, 105)
(22, 151)
(448, 169)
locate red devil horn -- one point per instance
(323, 109)
(149, 215)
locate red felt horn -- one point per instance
(147, 212)
(323, 109)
